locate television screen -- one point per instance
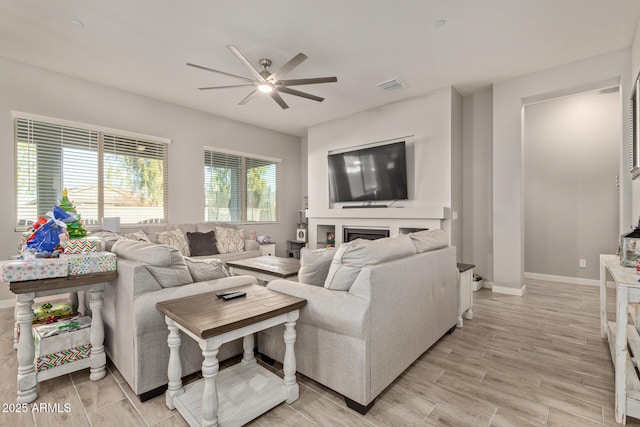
(369, 174)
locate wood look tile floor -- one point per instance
(536, 360)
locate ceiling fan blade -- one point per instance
(223, 87)
(276, 97)
(248, 97)
(286, 68)
(310, 81)
(219, 72)
(298, 93)
(246, 63)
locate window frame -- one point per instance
(243, 157)
(101, 152)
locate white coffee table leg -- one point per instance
(248, 343)
(174, 372)
(210, 368)
(27, 379)
(289, 364)
(98, 358)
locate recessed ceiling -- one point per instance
(143, 46)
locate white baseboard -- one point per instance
(562, 279)
(509, 291)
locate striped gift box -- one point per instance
(82, 245)
(62, 342)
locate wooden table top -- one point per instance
(61, 282)
(206, 315)
(276, 266)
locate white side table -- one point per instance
(240, 393)
(465, 293)
(268, 249)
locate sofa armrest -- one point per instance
(336, 311)
(251, 245)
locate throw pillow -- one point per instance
(351, 257)
(314, 265)
(202, 244)
(229, 240)
(176, 239)
(138, 236)
(206, 269)
(429, 240)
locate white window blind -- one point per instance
(104, 174)
(240, 188)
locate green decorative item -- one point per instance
(75, 229)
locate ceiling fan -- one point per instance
(267, 82)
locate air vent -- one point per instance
(392, 84)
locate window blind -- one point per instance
(240, 188)
(104, 174)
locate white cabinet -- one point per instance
(465, 293)
(268, 249)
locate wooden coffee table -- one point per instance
(267, 268)
(240, 393)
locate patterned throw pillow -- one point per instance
(139, 236)
(176, 239)
(229, 240)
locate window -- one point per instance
(105, 174)
(240, 188)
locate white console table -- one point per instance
(620, 334)
(465, 293)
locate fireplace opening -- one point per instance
(364, 233)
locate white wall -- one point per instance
(508, 99)
(428, 118)
(457, 207)
(429, 152)
(634, 203)
(37, 91)
(477, 183)
(571, 161)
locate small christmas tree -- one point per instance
(75, 229)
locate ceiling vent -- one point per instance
(392, 84)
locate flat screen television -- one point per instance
(369, 174)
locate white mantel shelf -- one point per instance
(381, 213)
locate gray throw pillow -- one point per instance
(429, 240)
(206, 269)
(351, 257)
(314, 265)
(202, 244)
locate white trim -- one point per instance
(371, 144)
(7, 303)
(487, 285)
(509, 291)
(241, 154)
(86, 126)
(562, 279)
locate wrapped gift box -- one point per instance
(39, 268)
(83, 245)
(62, 342)
(93, 262)
(48, 310)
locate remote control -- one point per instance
(222, 294)
(234, 295)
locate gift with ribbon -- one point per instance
(46, 236)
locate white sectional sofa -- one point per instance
(382, 305)
(135, 331)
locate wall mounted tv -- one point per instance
(369, 174)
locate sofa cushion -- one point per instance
(140, 236)
(202, 244)
(206, 269)
(429, 240)
(176, 239)
(109, 238)
(314, 265)
(351, 257)
(229, 240)
(165, 263)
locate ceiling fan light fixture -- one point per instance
(265, 88)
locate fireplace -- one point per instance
(364, 233)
